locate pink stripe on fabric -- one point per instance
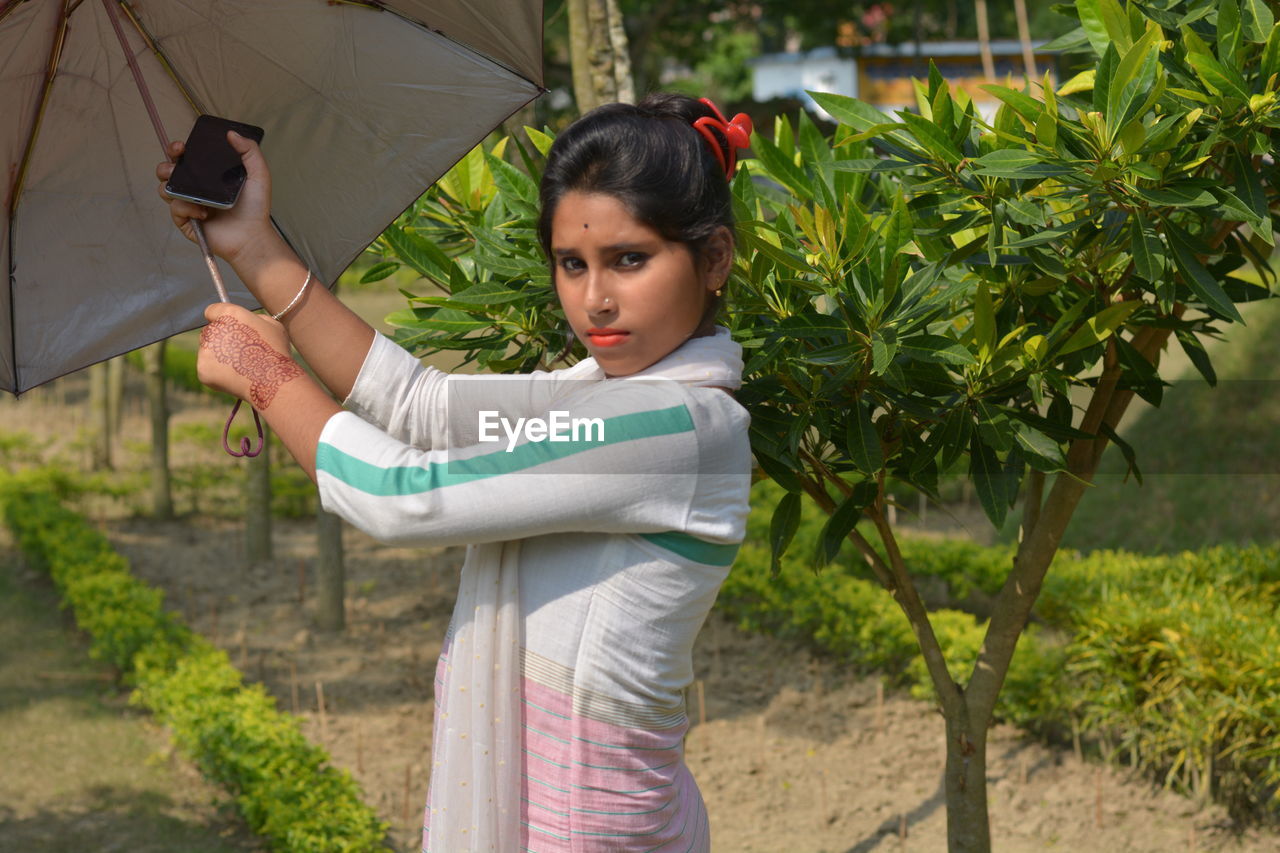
(604, 786)
(588, 786)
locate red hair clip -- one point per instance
(737, 132)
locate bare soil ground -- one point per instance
(82, 770)
(790, 757)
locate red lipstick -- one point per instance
(606, 337)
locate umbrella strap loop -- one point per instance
(246, 446)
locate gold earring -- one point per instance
(717, 291)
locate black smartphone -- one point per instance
(209, 172)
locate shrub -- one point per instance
(283, 785)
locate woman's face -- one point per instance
(630, 295)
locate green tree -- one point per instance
(920, 295)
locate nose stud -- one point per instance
(607, 300)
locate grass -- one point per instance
(83, 771)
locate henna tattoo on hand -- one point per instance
(238, 345)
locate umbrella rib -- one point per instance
(380, 6)
(55, 56)
(160, 55)
(6, 7)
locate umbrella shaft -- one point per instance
(137, 76)
(162, 136)
(208, 259)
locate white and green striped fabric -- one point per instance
(605, 549)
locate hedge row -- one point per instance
(283, 785)
(1171, 663)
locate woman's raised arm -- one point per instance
(331, 337)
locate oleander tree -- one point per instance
(919, 295)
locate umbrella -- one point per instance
(364, 104)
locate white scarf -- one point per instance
(474, 803)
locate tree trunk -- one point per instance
(984, 40)
(968, 826)
(257, 523)
(115, 395)
(598, 54)
(99, 418)
(331, 582)
(158, 406)
(624, 88)
(1024, 35)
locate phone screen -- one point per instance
(209, 171)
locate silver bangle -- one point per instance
(294, 301)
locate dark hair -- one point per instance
(649, 157)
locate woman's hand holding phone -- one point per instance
(242, 235)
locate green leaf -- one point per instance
(1102, 79)
(1229, 32)
(842, 520)
(423, 255)
(1094, 24)
(863, 442)
(440, 319)
(1098, 327)
(871, 165)
(781, 167)
(1040, 448)
(851, 111)
(1149, 259)
(540, 140)
(811, 325)
(1197, 355)
(1249, 184)
(1200, 280)
(487, 293)
(513, 183)
(1258, 21)
(1178, 195)
(750, 239)
(988, 480)
(936, 348)
(1070, 42)
(1022, 103)
(1132, 80)
(1236, 209)
(1216, 77)
(378, 272)
(897, 232)
(782, 529)
(1130, 457)
(984, 323)
(953, 437)
(1049, 235)
(780, 472)
(1270, 63)
(1025, 212)
(1016, 163)
(932, 138)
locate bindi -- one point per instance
(585, 225)
(236, 344)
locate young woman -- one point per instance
(594, 555)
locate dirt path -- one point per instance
(82, 770)
(790, 757)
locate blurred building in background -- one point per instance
(881, 74)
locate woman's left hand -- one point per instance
(244, 354)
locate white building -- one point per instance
(880, 74)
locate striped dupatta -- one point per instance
(474, 802)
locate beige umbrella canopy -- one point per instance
(364, 104)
